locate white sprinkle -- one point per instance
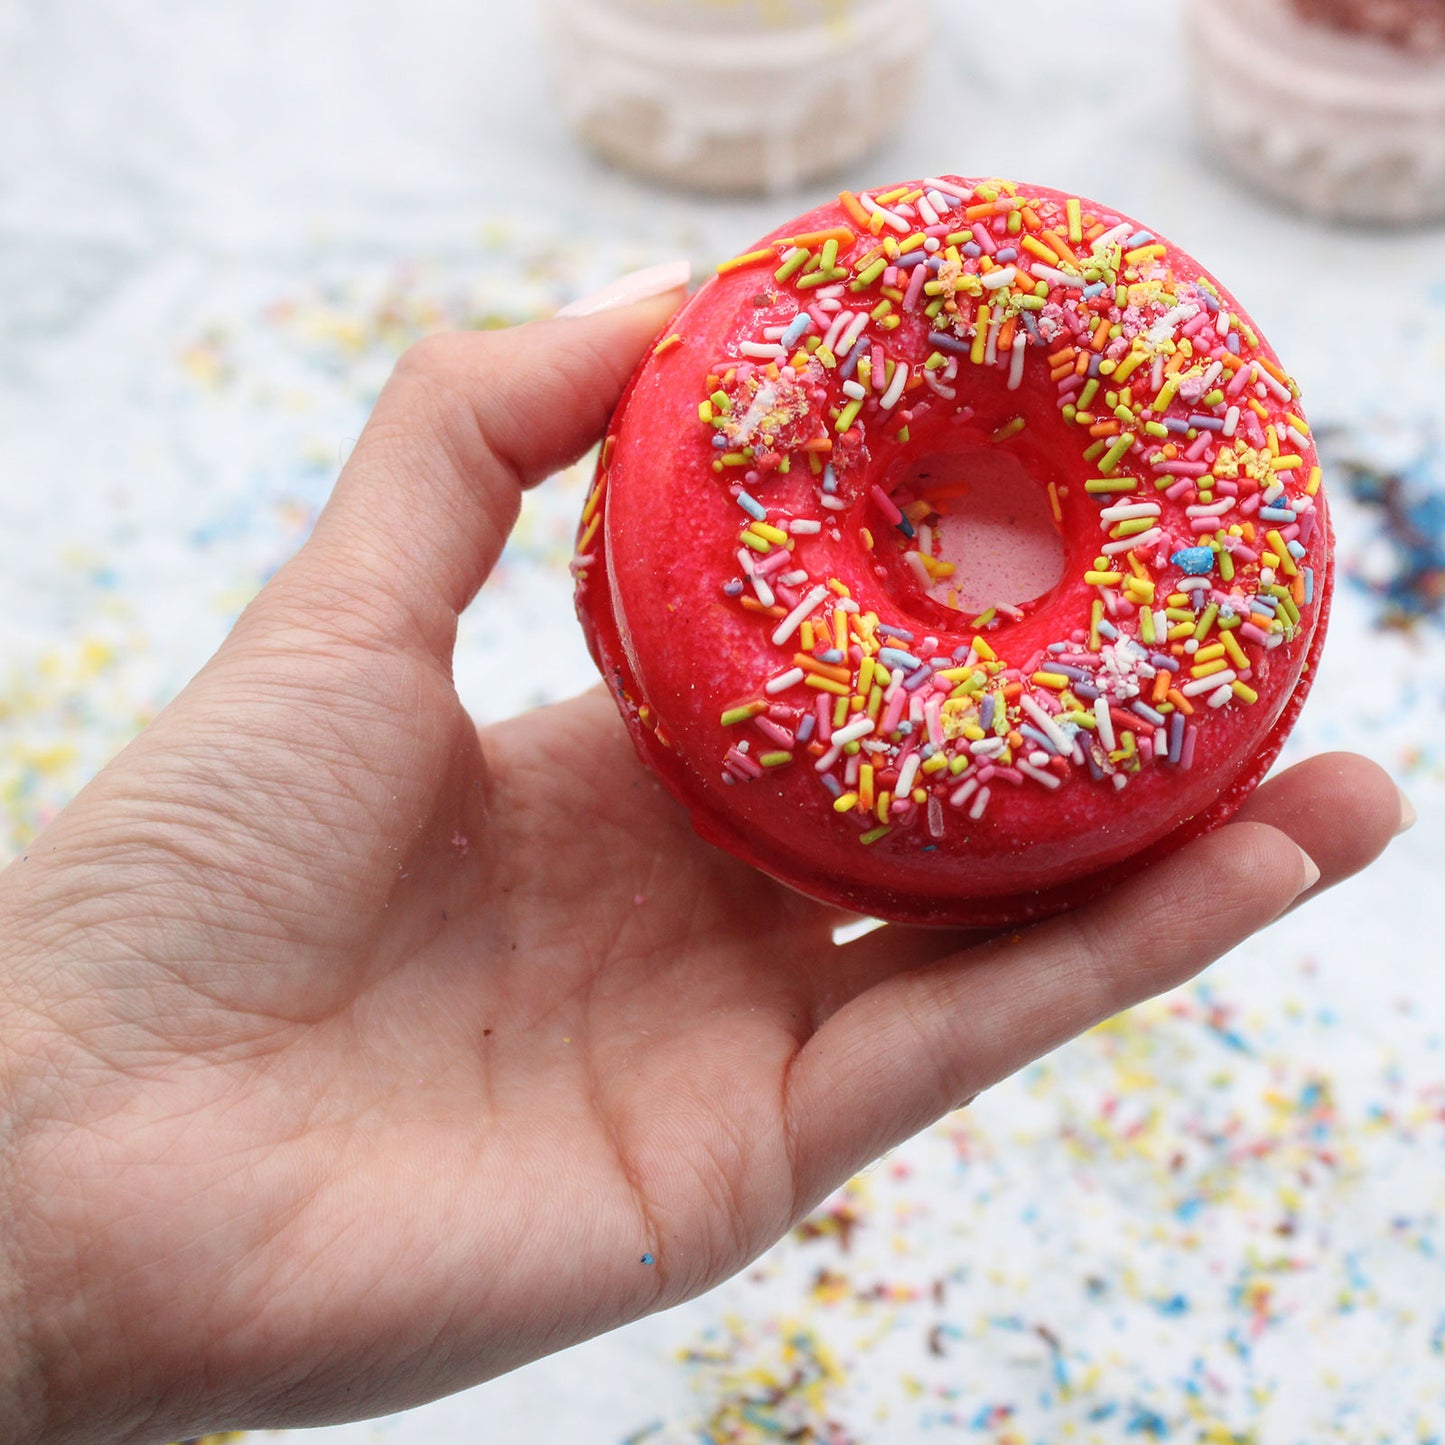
(1058, 278)
(1016, 366)
(804, 526)
(1106, 723)
(1218, 699)
(889, 218)
(1109, 237)
(854, 732)
(892, 396)
(1039, 775)
(1050, 728)
(855, 390)
(1128, 512)
(1208, 684)
(995, 325)
(762, 351)
(841, 320)
(994, 280)
(789, 625)
(915, 564)
(784, 681)
(949, 190)
(980, 803)
(854, 330)
(906, 775)
(1125, 544)
(963, 792)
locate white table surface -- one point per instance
(1221, 1218)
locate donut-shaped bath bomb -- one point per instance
(959, 550)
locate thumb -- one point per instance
(467, 421)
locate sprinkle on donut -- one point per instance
(1200, 484)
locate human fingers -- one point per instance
(1304, 802)
(919, 1042)
(466, 423)
(1340, 808)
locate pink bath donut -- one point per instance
(849, 436)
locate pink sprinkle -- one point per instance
(772, 731)
(743, 764)
(932, 711)
(886, 506)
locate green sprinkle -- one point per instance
(748, 710)
(1116, 453)
(797, 259)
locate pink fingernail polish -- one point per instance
(628, 290)
(1408, 816)
(1312, 872)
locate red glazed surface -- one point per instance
(660, 542)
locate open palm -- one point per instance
(354, 1056)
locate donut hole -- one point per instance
(983, 532)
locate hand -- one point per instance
(351, 1056)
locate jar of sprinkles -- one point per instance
(734, 96)
(1335, 107)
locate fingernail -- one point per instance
(627, 290)
(1408, 816)
(1312, 872)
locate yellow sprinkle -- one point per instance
(1243, 691)
(750, 258)
(846, 803)
(1286, 562)
(1055, 680)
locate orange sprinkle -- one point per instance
(1061, 246)
(751, 604)
(854, 207)
(1181, 702)
(810, 663)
